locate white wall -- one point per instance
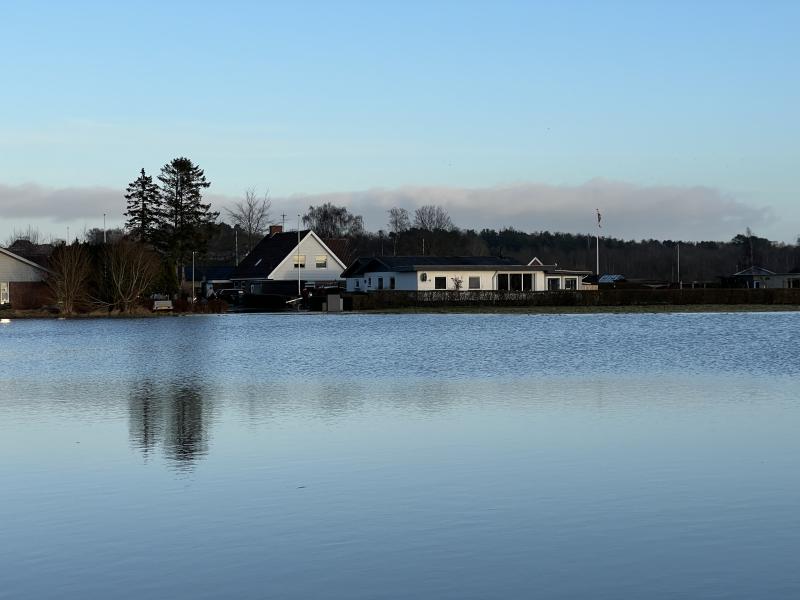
(411, 281)
(12, 269)
(311, 248)
(369, 282)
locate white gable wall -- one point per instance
(311, 248)
(12, 269)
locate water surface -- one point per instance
(398, 456)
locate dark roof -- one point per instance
(750, 271)
(416, 263)
(38, 253)
(267, 255)
(611, 278)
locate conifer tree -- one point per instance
(185, 221)
(144, 208)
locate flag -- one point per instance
(599, 217)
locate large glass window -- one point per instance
(380, 283)
(527, 282)
(515, 282)
(502, 281)
(553, 284)
(299, 261)
(571, 283)
(321, 261)
(391, 283)
(440, 283)
(474, 283)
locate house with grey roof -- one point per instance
(758, 277)
(457, 273)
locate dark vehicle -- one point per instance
(231, 295)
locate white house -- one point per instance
(759, 277)
(466, 273)
(280, 257)
(15, 269)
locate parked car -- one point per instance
(231, 295)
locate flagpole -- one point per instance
(597, 246)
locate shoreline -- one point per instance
(487, 309)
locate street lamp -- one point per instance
(193, 253)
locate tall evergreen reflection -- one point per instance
(174, 416)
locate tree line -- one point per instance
(167, 222)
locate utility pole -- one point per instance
(283, 222)
(193, 253)
(680, 283)
(299, 294)
(104, 228)
(597, 259)
(236, 243)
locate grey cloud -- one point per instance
(31, 201)
(629, 211)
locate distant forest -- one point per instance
(646, 259)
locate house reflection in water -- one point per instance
(173, 416)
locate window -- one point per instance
(440, 283)
(527, 282)
(571, 283)
(302, 261)
(4, 295)
(358, 283)
(474, 283)
(369, 282)
(321, 261)
(391, 283)
(553, 284)
(423, 277)
(502, 282)
(380, 283)
(793, 283)
(515, 282)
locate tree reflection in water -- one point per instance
(174, 416)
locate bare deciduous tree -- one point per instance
(458, 283)
(30, 233)
(132, 268)
(70, 267)
(251, 215)
(399, 220)
(432, 218)
(332, 222)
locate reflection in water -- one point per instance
(175, 415)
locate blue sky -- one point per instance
(376, 103)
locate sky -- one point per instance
(678, 120)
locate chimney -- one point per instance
(273, 229)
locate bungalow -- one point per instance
(280, 258)
(20, 279)
(468, 273)
(759, 277)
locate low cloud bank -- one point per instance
(629, 211)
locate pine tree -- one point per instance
(144, 208)
(185, 221)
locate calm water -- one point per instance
(441, 456)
